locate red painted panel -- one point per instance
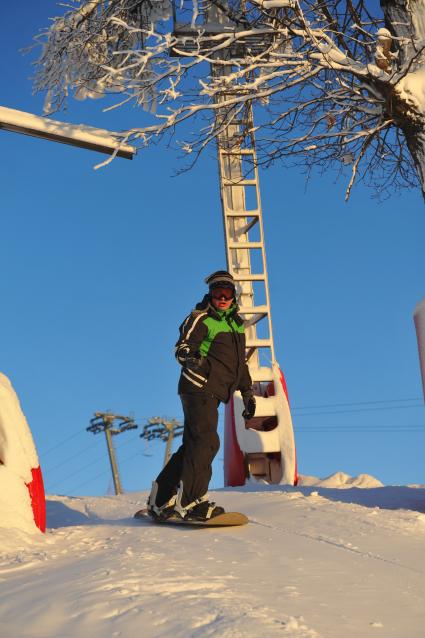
(38, 499)
(285, 389)
(234, 466)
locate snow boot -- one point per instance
(203, 511)
(160, 512)
(199, 510)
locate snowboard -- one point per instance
(228, 519)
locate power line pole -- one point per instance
(159, 428)
(103, 422)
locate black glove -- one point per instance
(194, 362)
(249, 403)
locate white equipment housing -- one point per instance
(257, 444)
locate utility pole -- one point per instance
(159, 428)
(103, 422)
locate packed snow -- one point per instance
(313, 562)
(332, 557)
(411, 89)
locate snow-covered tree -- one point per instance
(334, 83)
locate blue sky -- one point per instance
(100, 267)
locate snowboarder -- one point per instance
(211, 351)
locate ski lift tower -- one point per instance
(264, 447)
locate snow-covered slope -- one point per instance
(312, 562)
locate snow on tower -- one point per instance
(22, 500)
(419, 318)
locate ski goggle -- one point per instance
(225, 294)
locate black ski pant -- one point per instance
(191, 464)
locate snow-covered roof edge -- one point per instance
(81, 135)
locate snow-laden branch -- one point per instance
(332, 86)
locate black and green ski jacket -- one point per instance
(219, 337)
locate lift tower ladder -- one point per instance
(244, 234)
(241, 204)
(263, 447)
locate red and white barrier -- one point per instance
(22, 499)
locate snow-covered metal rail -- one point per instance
(89, 137)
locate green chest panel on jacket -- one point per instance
(215, 327)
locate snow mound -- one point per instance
(17, 457)
(17, 451)
(15, 503)
(341, 480)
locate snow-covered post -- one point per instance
(419, 318)
(22, 501)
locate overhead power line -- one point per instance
(358, 429)
(69, 438)
(54, 447)
(294, 408)
(103, 473)
(80, 469)
(342, 405)
(393, 407)
(77, 454)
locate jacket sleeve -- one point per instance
(192, 332)
(245, 381)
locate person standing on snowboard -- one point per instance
(211, 351)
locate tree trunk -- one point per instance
(398, 20)
(416, 144)
(405, 19)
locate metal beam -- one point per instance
(81, 135)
